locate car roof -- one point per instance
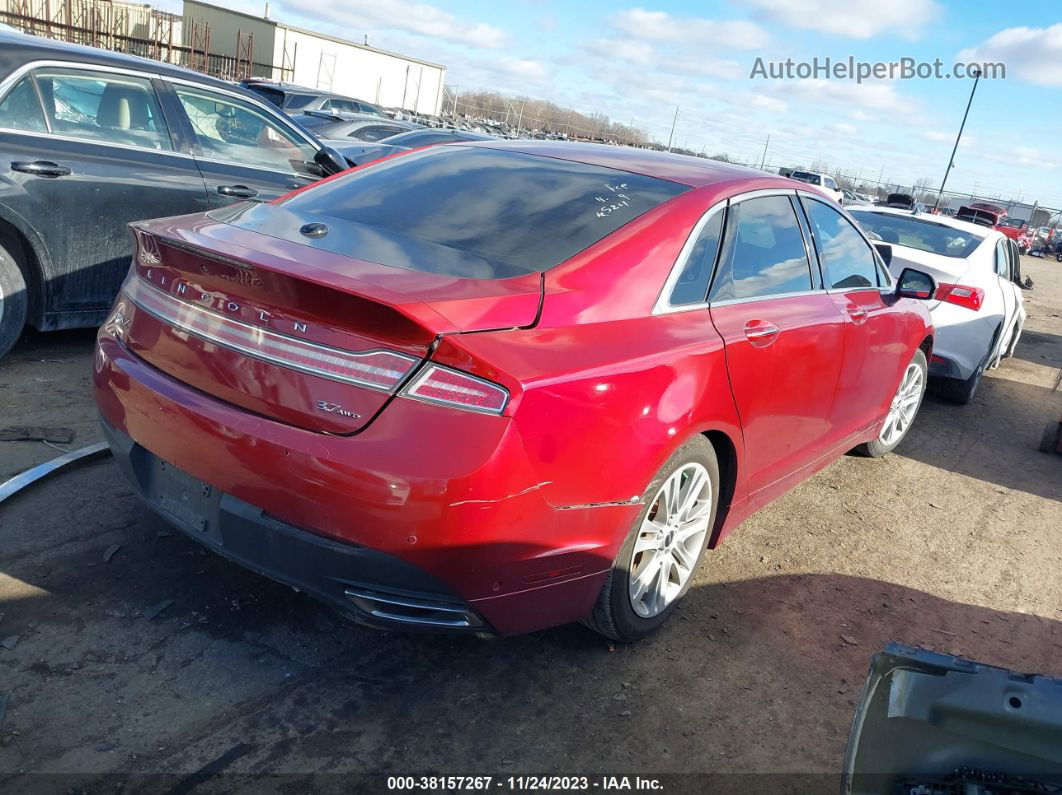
(943, 220)
(687, 170)
(17, 49)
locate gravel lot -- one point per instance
(953, 543)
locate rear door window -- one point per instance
(765, 254)
(472, 211)
(103, 106)
(847, 259)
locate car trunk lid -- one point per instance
(303, 335)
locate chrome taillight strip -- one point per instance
(374, 369)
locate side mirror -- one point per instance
(330, 160)
(885, 250)
(916, 284)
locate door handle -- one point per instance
(41, 168)
(857, 313)
(237, 191)
(760, 333)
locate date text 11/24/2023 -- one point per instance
(436, 783)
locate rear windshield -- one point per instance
(274, 95)
(804, 176)
(918, 233)
(475, 212)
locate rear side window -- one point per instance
(692, 284)
(21, 110)
(846, 258)
(104, 107)
(296, 101)
(765, 255)
(512, 213)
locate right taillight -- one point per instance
(454, 388)
(961, 295)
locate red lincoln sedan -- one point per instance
(497, 387)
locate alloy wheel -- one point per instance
(670, 540)
(904, 405)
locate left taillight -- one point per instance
(450, 387)
(961, 295)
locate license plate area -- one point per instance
(186, 501)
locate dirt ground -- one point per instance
(953, 543)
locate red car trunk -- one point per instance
(322, 346)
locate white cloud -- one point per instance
(408, 15)
(844, 128)
(857, 19)
(1033, 54)
(858, 115)
(765, 102)
(870, 96)
(661, 26)
(523, 67)
(610, 52)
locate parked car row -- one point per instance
(295, 99)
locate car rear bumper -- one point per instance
(961, 339)
(368, 585)
(427, 503)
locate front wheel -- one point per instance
(902, 410)
(655, 565)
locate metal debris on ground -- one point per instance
(111, 552)
(33, 474)
(10, 642)
(36, 433)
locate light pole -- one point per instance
(674, 121)
(954, 149)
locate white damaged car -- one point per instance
(978, 310)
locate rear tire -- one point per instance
(876, 448)
(615, 615)
(958, 391)
(14, 302)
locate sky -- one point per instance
(640, 60)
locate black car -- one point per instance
(359, 154)
(91, 140)
(360, 126)
(292, 98)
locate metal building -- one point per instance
(316, 60)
